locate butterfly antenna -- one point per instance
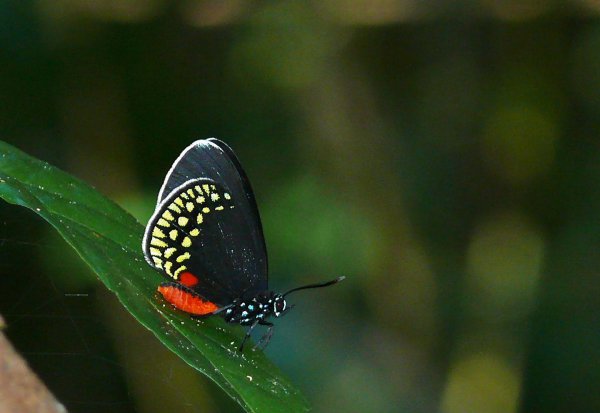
(325, 284)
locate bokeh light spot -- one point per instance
(504, 263)
(519, 142)
(482, 383)
(287, 46)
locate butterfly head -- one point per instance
(279, 305)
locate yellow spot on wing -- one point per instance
(219, 208)
(157, 243)
(197, 187)
(214, 197)
(200, 199)
(227, 196)
(200, 219)
(173, 234)
(155, 251)
(157, 262)
(191, 192)
(186, 242)
(175, 208)
(168, 215)
(206, 188)
(168, 266)
(169, 252)
(163, 222)
(178, 201)
(156, 232)
(195, 232)
(185, 256)
(184, 196)
(189, 206)
(178, 270)
(182, 221)
(206, 210)
(214, 188)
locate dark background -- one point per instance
(444, 156)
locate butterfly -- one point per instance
(205, 236)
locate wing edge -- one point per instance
(183, 153)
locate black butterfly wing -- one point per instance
(208, 225)
(215, 160)
(245, 182)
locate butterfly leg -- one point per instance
(264, 340)
(254, 324)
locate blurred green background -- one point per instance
(444, 156)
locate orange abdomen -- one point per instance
(187, 301)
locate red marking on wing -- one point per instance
(188, 279)
(187, 301)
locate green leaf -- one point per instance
(109, 240)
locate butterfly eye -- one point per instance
(279, 306)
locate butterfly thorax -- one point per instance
(257, 309)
